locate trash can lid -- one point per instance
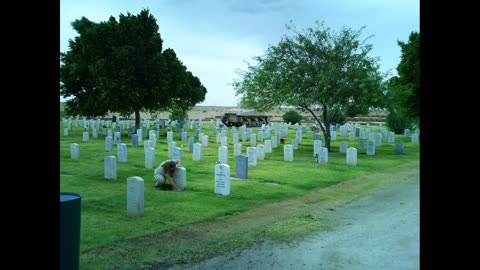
(69, 196)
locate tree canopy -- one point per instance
(404, 89)
(119, 66)
(317, 70)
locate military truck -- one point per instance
(239, 117)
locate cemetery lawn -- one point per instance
(280, 200)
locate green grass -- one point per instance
(104, 217)
(295, 226)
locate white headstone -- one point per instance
(317, 144)
(223, 154)
(253, 139)
(275, 141)
(197, 151)
(140, 135)
(110, 167)
(116, 138)
(237, 149)
(147, 144)
(149, 157)
(352, 156)
(399, 148)
(135, 196)
(85, 137)
(268, 146)
(224, 141)
(235, 138)
(222, 179)
(151, 133)
(191, 141)
(370, 147)
(288, 152)
(205, 141)
(180, 177)
(74, 151)
(351, 135)
(108, 143)
(267, 133)
(171, 145)
(252, 156)
(169, 136)
(260, 152)
(384, 133)
(343, 147)
(299, 135)
(153, 138)
(177, 153)
(391, 137)
(323, 155)
(295, 143)
(122, 152)
(378, 139)
(415, 139)
(260, 136)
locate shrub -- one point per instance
(292, 117)
(397, 123)
(180, 116)
(337, 117)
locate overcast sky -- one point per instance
(214, 38)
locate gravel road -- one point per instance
(378, 231)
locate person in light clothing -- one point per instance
(165, 171)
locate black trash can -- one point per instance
(70, 213)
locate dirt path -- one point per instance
(378, 231)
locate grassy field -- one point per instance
(104, 220)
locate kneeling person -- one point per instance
(165, 171)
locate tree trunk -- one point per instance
(137, 119)
(326, 130)
(327, 135)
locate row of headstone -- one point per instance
(223, 152)
(258, 152)
(159, 123)
(222, 170)
(136, 184)
(280, 133)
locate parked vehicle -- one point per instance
(239, 117)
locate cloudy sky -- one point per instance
(214, 38)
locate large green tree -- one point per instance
(187, 88)
(404, 89)
(316, 70)
(119, 66)
(77, 70)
